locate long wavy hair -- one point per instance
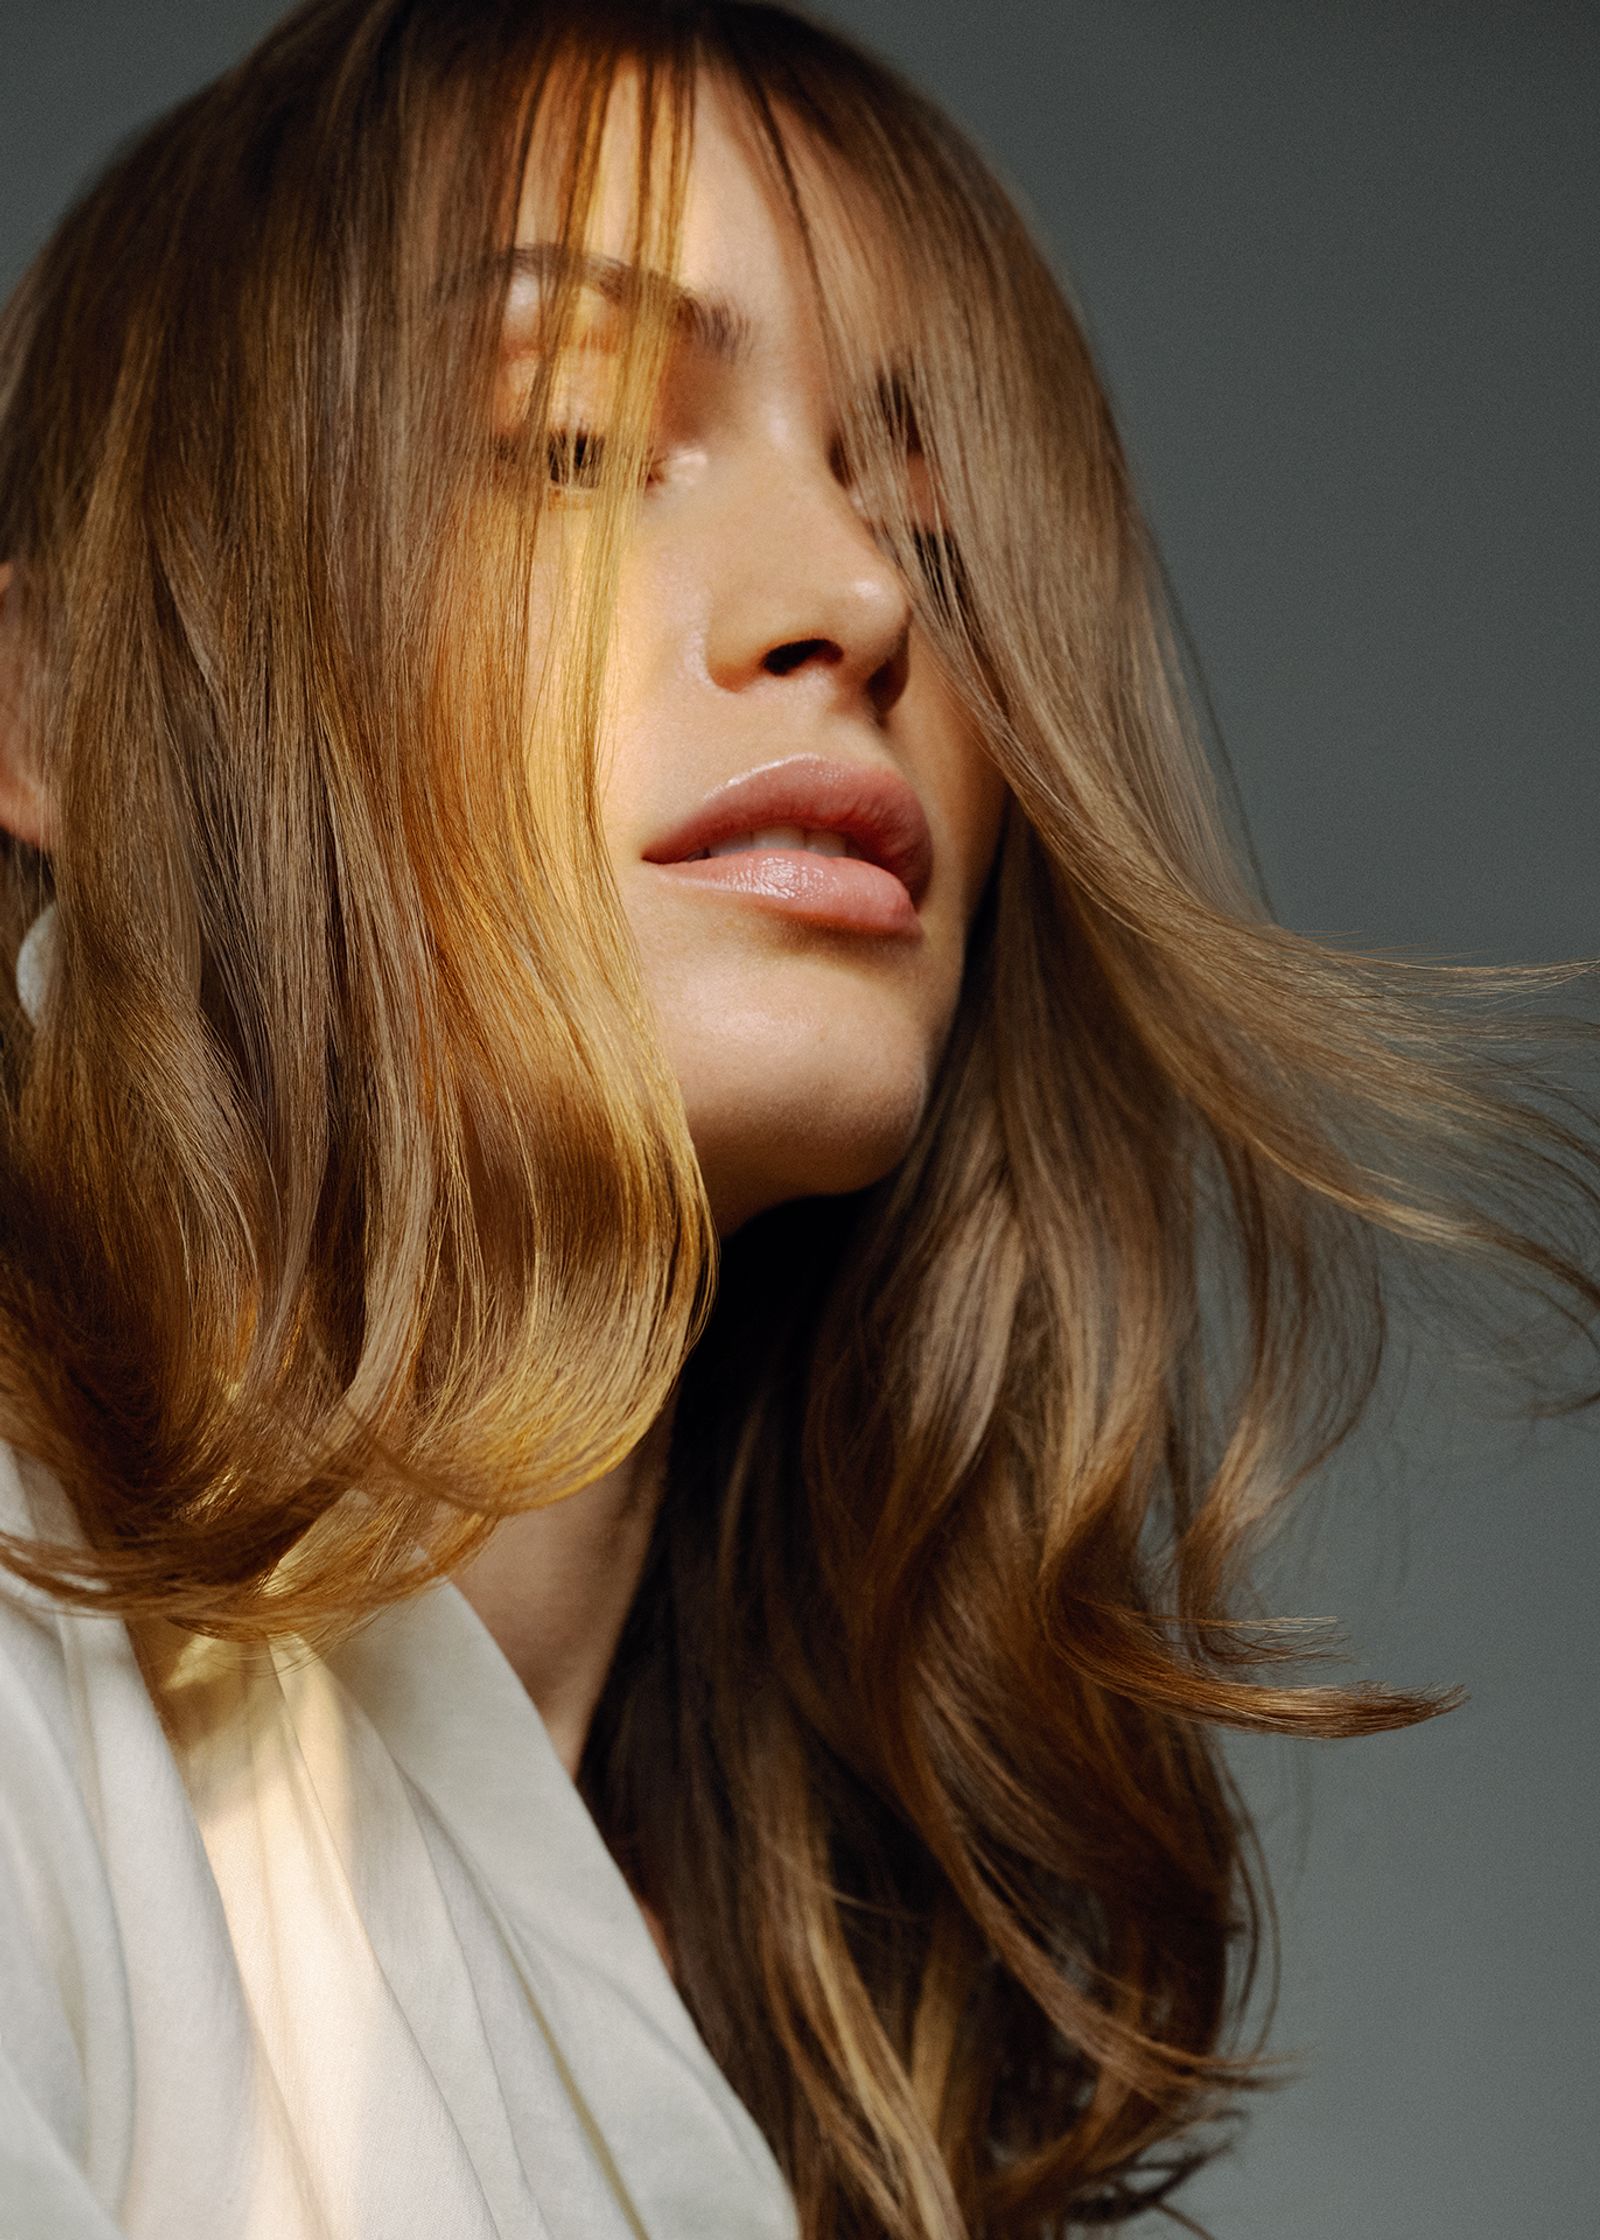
(347, 1202)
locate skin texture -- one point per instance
(758, 619)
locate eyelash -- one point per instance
(581, 450)
(576, 456)
(943, 570)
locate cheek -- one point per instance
(965, 795)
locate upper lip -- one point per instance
(869, 804)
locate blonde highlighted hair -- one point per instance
(347, 1202)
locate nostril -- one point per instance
(786, 658)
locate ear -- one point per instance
(24, 805)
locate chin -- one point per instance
(768, 1134)
(805, 1072)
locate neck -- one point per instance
(554, 1586)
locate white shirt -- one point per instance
(332, 1951)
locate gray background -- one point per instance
(1340, 265)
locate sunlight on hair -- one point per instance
(349, 1200)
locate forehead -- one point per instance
(740, 249)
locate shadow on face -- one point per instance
(798, 814)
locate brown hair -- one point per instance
(348, 1202)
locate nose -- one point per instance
(803, 591)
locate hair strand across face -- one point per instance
(348, 1201)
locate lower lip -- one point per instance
(839, 891)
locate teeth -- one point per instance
(785, 836)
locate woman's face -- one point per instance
(770, 700)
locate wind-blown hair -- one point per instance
(348, 1202)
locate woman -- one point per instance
(639, 1057)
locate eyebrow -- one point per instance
(709, 323)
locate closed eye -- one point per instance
(575, 458)
(943, 570)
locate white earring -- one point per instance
(34, 961)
